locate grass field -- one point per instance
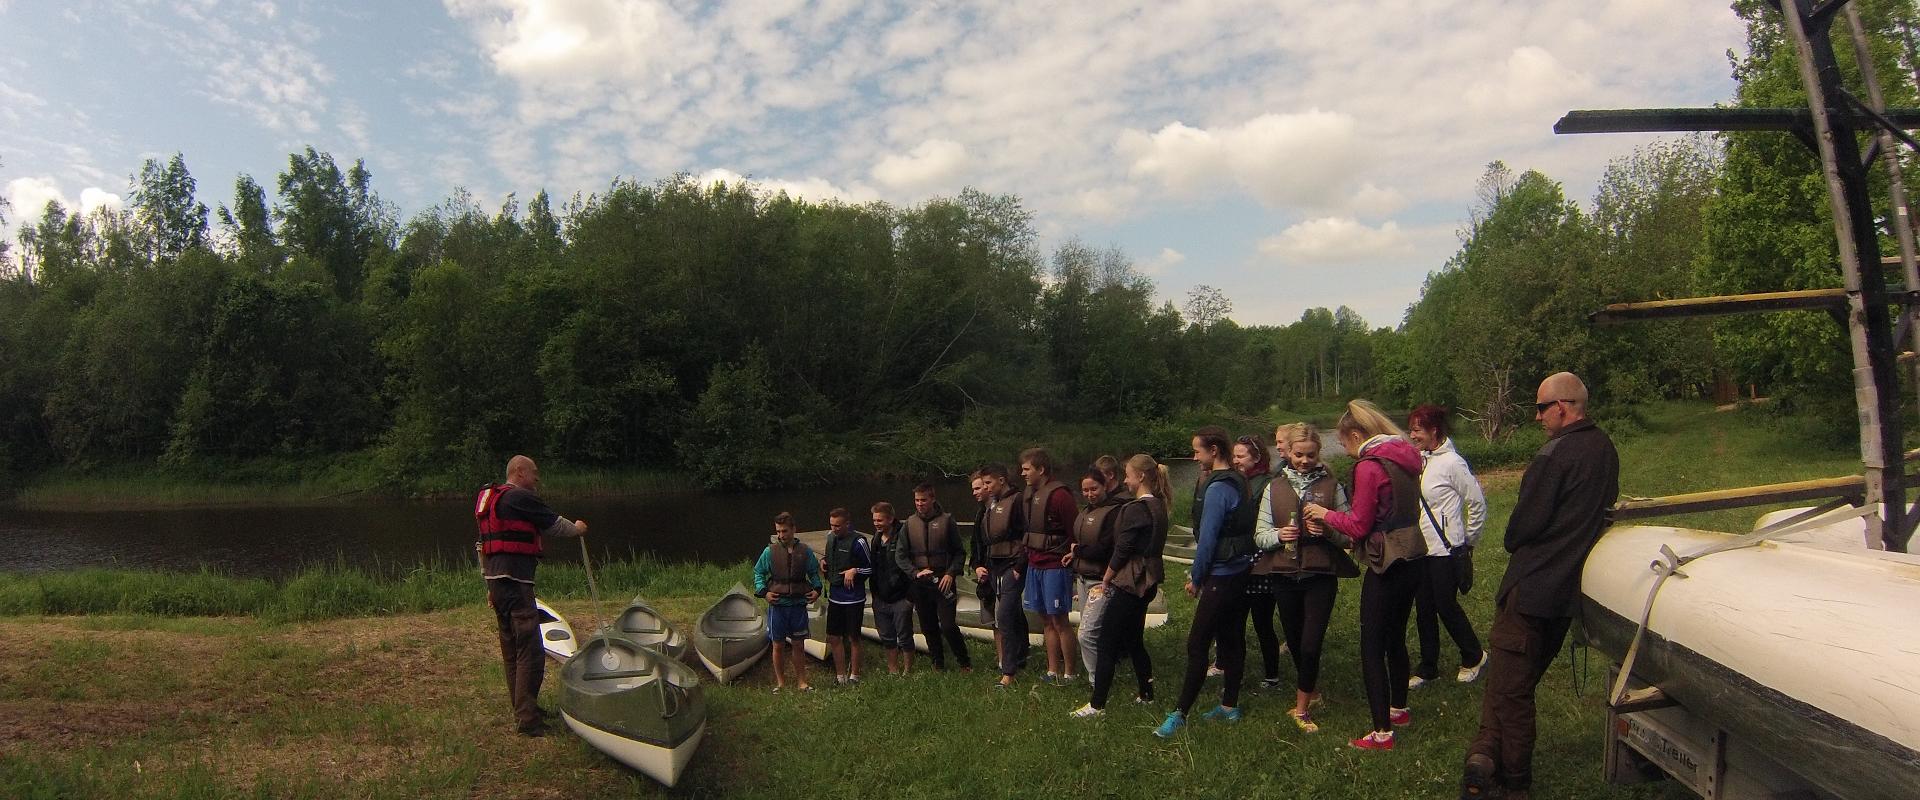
(119, 684)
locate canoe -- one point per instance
(732, 635)
(967, 615)
(644, 625)
(642, 708)
(555, 634)
(1802, 651)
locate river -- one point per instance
(276, 540)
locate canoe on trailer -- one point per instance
(642, 708)
(555, 634)
(1802, 652)
(644, 625)
(732, 635)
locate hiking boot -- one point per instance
(1476, 779)
(1377, 740)
(1175, 721)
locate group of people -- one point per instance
(1267, 542)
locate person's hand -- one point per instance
(946, 583)
(1316, 528)
(1068, 558)
(980, 574)
(1016, 573)
(848, 576)
(813, 595)
(1289, 534)
(1314, 511)
(1191, 591)
(580, 527)
(773, 597)
(922, 573)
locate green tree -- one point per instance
(164, 204)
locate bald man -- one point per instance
(1561, 512)
(512, 520)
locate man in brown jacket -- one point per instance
(1561, 512)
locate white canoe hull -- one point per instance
(556, 635)
(727, 674)
(663, 764)
(1806, 653)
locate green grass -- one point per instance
(412, 709)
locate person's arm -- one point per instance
(762, 570)
(1212, 519)
(862, 559)
(1368, 478)
(1136, 524)
(1473, 501)
(903, 552)
(977, 559)
(530, 507)
(956, 555)
(1266, 535)
(1533, 510)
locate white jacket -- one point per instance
(1454, 496)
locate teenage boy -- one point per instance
(1000, 531)
(1050, 511)
(892, 611)
(788, 576)
(932, 554)
(848, 568)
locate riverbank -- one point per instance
(282, 697)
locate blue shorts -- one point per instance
(786, 622)
(1049, 592)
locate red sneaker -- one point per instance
(1373, 741)
(1400, 716)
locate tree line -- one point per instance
(751, 337)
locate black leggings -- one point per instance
(1306, 606)
(1260, 608)
(1221, 614)
(1436, 603)
(1386, 600)
(1121, 627)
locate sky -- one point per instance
(1292, 154)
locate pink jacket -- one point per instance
(1372, 490)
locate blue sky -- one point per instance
(1292, 154)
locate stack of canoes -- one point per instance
(555, 634)
(634, 703)
(642, 624)
(732, 635)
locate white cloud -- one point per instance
(1337, 240)
(932, 164)
(30, 195)
(1305, 159)
(1167, 259)
(1530, 79)
(816, 189)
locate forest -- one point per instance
(750, 338)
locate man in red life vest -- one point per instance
(512, 519)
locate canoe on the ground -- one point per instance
(967, 616)
(644, 625)
(1802, 651)
(1184, 552)
(633, 703)
(732, 635)
(555, 634)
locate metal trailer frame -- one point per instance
(1649, 734)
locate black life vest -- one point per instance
(840, 554)
(1038, 537)
(1145, 571)
(1236, 535)
(998, 527)
(1093, 538)
(929, 542)
(788, 573)
(512, 536)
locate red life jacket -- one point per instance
(515, 536)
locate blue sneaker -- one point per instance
(1175, 721)
(1224, 714)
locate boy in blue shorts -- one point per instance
(1050, 512)
(788, 576)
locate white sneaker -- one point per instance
(1087, 712)
(1215, 672)
(1415, 682)
(1471, 674)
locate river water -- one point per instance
(276, 540)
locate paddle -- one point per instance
(593, 589)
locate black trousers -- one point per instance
(1120, 633)
(1306, 606)
(1436, 603)
(936, 612)
(521, 654)
(1009, 615)
(1221, 614)
(1260, 609)
(1386, 600)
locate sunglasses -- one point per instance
(1541, 408)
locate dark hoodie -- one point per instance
(1372, 489)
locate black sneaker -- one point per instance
(1269, 684)
(1476, 779)
(532, 731)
